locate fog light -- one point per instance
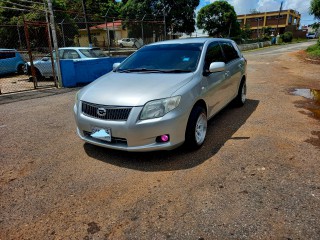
(163, 138)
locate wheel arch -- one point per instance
(200, 103)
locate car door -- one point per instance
(234, 64)
(214, 82)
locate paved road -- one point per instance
(256, 177)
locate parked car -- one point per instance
(43, 67)
(162, 95)
(11, 61)
(127, 42)
(311, 35)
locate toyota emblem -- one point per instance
(101, 112)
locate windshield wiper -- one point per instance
(138, 70)
(176, 71)
(154, 70)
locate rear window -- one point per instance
(7, 54)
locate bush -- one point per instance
(287, 37)
(314, 51)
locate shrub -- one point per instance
(287, 37)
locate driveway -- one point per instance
(256, 177)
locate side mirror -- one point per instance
(115, 65)
(45, 59)
(217, 67)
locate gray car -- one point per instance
(162, 95)
(43, 66)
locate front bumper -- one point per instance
(133, 134)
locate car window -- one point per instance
(229, 51)
(165, 57)
(70, 54)
(92, 53)
(213, 54)
(7, 54)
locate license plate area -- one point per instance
(103, 134)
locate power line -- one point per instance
(24, 6)
(17, 9)
(27, 1)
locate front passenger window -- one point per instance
(229, 51)
(214, 54)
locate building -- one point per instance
(287, 20)
(101, 33)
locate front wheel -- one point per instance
(196, 128)
(242, 94)
(21, 69)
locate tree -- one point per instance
(218, 19)
(246, 32)
(177, 18)
(315, 8)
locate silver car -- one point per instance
(162, 95)
(43, 66)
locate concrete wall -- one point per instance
(80, 72)
(245, 47)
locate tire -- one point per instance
(38, 75)
(121, 45)
(20, 69)
(196, 128)
(241, 98)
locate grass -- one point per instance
(314, 51)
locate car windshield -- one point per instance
(93, 53)
(173, 58)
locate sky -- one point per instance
(244, 7)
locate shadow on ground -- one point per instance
(39, 93)
(220, 129)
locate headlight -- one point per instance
(159, 108)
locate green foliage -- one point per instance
(178, 19)
(314, 50)
(315, 8)
(218, 19)
(287, 37)
(246, 32)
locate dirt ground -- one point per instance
(256, 177)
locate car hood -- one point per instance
(133, 89)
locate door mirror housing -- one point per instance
(217, 67)
(115, 65)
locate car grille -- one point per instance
(111, 112)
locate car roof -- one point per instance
(191, 40)
(7, 49)
(78, 48)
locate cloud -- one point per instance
(244, 6)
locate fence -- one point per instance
(22, 46)
(33, 66)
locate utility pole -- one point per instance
(64, 41)
(55, 42)
(142, 29)
(85, 19)
(279, 17)
(107, 30)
